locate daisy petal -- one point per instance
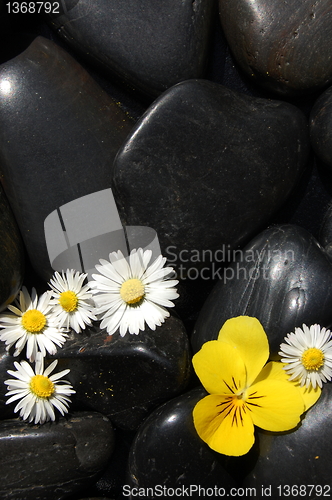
(132, 294)
(307, 355)
(38, 395)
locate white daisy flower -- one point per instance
(38, 392)
(307, 355)
(71, 300)
(32, 325)
(133, 293)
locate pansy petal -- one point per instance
(247, 335)
(272, 370)
(309, 394)
(275, 370)
(225, 427)
(274, 405)
(220, 368)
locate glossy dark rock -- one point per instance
(300, 457)
(6, 363)
(168, 452)
(59, 133)
(50, 461)
(321, 127)
(126, 377)
(110, 483)
(325, 236)
(282, 277)
(151, 47)
(206, 167)
(285, 46)
(11, 254)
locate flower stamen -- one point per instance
(41, 386)
(68, 301)
(312, 358)
(33, 321)
(132, 291)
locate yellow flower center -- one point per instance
(33, 321)
(234, 407)
(132, 291)
(68, 301)
(42, 386)
(313, 358)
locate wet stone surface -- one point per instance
(70, 125)
(283, 279)
(12, 257)
(6, 363)
(325, 234)
(301, 457)
(55, 459)
(150, 47)
(160, 451)
(321, 127)
(110, 483)
(210, 162)
(205, 167)
(283, 46)
(126, 377)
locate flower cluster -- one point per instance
(41, 323)
(125, 296)
(245, 390)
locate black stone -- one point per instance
(325, 234)
(126, 377)
(284, 46)
(321, 127)
(110, 483)
(282, 277)
(59, 133)
(6, 363)
(150, 47)
(299, 457)
(167, 452)
(11, 254)
(50, 461)
(206, 167)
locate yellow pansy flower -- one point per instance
(243, 390)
